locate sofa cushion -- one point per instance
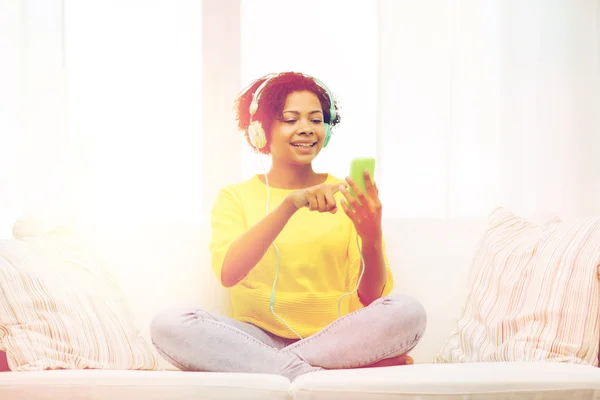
(475, 381)
(147, 385)
(533, 293)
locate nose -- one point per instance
(306, 128)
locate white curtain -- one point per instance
(101, 111)
(134, 79)
(35, 157)
(465, 104)
(487, 103)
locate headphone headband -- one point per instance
(257, 93)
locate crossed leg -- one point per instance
(378, 335)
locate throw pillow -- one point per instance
(60, 309)
(532, 294)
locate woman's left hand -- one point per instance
(366, 212)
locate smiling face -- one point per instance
(297, 136)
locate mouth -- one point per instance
(304, 145)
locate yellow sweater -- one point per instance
(320, 261)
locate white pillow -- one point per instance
(60, 309)
(533, 294)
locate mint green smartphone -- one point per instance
(357, 167)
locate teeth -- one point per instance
(302, 144)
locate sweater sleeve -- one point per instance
(354, 255)
(227, 223)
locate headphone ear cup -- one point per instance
(256, 133)
(327, 135)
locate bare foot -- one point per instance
(389, 362)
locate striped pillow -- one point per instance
(533, 294)
(59, 309)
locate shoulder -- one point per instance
(235, 192)
(243, 187)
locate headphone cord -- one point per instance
(272, 299)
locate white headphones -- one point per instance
(256, 132)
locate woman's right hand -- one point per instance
(317, 198)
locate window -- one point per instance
(134, 79)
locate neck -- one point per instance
(292, 176)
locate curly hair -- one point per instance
(272, 101)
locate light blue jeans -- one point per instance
(196, 340)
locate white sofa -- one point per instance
(163, 266)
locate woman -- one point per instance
(309, 284)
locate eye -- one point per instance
(290, 121)
(316, 121)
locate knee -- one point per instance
(162, 326)
(167, 325)
(406, 315)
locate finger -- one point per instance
(350, 200)
(373, 193)
(321, 202)
(312, 202)
(367, 178)
(360, 196)
(369, 184)
(336, 187)
(375, 198)
(349, 212)
(330, 200)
